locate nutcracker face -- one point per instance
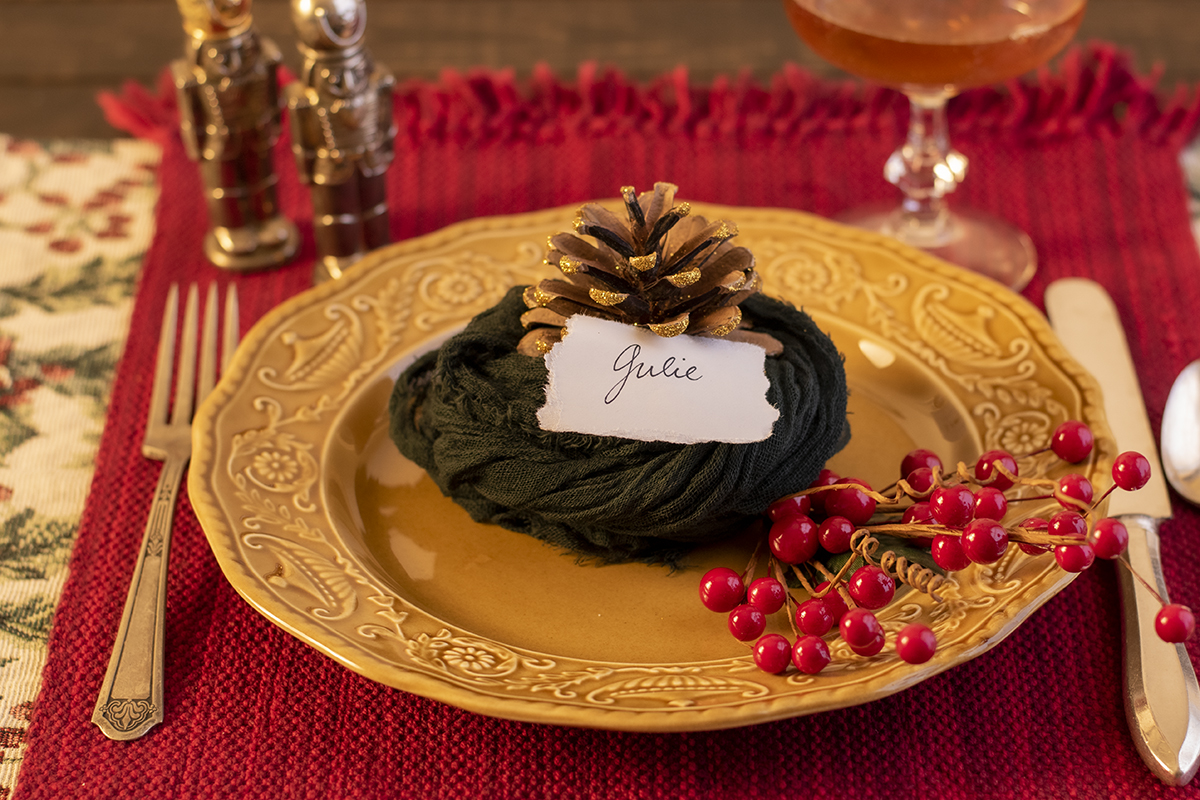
(345, 20)
(329, 24)
(221, 58)
(343, 81)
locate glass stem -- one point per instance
(926, 168)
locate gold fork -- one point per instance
(131, 697)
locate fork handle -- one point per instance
(131, 697)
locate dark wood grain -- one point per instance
(58, 55)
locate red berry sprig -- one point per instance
(957, 515)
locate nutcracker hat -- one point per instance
(208, 19)
(329, 24)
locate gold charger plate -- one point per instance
(321, 525)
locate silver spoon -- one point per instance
(1181, 433)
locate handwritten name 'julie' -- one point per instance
(628, 363)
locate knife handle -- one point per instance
(1162, 700)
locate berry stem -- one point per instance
(1141, 580)
(799, 573)
(790, 604)
(902, 490)
(912, 530)
(836, 581)
(1102, 497)
(752, 566)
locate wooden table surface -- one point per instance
(57, 55)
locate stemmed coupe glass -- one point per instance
(931, 50)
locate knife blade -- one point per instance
(1161, 697)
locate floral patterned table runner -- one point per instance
(75, 220)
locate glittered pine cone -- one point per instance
(660, 268)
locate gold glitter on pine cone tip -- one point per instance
(669, 329)
(656, 266)
(729, 327)
(685, 278)
(607, 298)
(644, 263)
(534, 297)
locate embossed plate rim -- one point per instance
(210, 496)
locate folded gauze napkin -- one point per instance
(467, 414)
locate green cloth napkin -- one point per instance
(467, 414)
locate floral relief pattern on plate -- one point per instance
(325, 528)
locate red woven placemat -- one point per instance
(1085, 161)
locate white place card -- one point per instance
(611, 379)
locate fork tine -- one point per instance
(230, 339)
(160, 395)
(185, 379)
(208, 345)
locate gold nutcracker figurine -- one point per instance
(343, 131)
(229, 117)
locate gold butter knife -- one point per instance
(1162, 700)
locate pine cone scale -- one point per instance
(660, 268)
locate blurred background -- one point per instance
(57, 55)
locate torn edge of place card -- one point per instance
(611, 379)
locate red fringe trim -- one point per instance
(1093, 89)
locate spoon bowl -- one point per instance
(1181, 434)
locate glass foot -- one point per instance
(980, 242)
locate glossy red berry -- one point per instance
(1074, 557)
(1175, 623)
(915, 643)
(919, 459)
(1072, 441)
(1075, 487)
(721, 589)
(990, 503)
(825, 477)
(1068, 523)
(833, 601)
(1131, 470)
(871, 587)
(986, 472)
(1034, 524)
(772, 653)
(948, 553)
(984, 541)
(814, 617)
(853, 504)
(789, 507)
(920, 480)
(918, 513)
(952, 506)
(859, 627)
(810, 654)
(793, 540)
(767, 595)
(1109, 538)
(746, 622)
(834, 534)
(871, 648)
